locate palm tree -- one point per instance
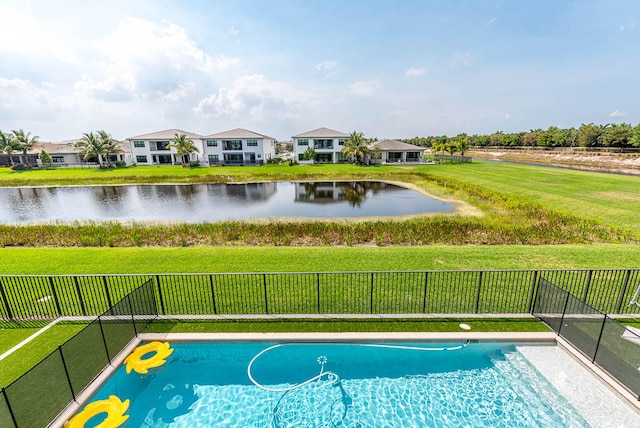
(91, 145)
(183, 147)
(8, 145)
(462, 145)
(111, 146)
(356, 147)
(25, 141)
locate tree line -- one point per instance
(611, 135)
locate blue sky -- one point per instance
(387, 69)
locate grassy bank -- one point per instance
(52, 261)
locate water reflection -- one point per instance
(213, 202)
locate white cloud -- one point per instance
(617, 113)
(492, 20)
(460, 58)
(415, 71)
(328, 67)
(233, 31)
(364, 89)
(622, 28)
(258, 97)
(507, 115)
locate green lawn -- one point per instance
(43, 261)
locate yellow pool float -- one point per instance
(113, 407)
(141, 365)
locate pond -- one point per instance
(195, 203)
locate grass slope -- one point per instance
(43, 261)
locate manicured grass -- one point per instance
(12, 333)
(43, 261)
(33, 352)
(335, 325)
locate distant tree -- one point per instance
(495, 139)
(635, 138)
(617, 135)
(45, 158)
(183, 147)
(309, 154)
(588, 135)
(530, 139)
(91, 145)
(8, 145)
(462, 144)
(25, 142)
(355, 147)
(481, 140)
(111, 146)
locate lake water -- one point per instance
(195, 203)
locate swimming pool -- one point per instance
(341, 385)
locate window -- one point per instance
(233, 158)
(341, 141)
(161, 145)
(323, 144)
(214, 159)
(252, 143)
(303, 142)
(212, 143)
(57, 159)
(259, 155)
(141, 159)
(232, 144)
(301, 157)
(138, 144)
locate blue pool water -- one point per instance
(205, 385)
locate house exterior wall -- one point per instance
(154, 151)
(237, 151)
(328, 149)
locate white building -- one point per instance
(392, 151)
(327, 143)
(238, 147)
(152, 149)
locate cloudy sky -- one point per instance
(389, 69)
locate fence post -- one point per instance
(6, 301)
(424, 293)
(478, 292)
(566, 302)
(55, 296)
(533, 291)
(66, 372)
(106, 291)
(104, 339)
(133, 319)
(586, 289)
(623, 291)
(371, 295)
(213, 295)
(75, 281)
(595, 352)
(6, 399)
(159, 295)
(266, 300)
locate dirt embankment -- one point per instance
(620, 163)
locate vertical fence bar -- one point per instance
(66, 372)
(104, 339)
(318, 290)
(79, 291)
(532, 295)
(623, 291)
(586, 288)
(566, 303)
(6, 399)
(595, 351)
(6, 301)
(371, 295)
(424, 293)
(159, 295)
(133, 319)
(213, 295)
(107, 293)
(266, 297)
(478, 292)
(55, 296)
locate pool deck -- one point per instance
(520, 337)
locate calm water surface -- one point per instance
(196, 203)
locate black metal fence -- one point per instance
(38, 396)
(452, 159)
(606, 342)
(414, 292)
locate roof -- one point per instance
(167, 134)
(238, 133)
(393, 145)
(322, 132)
(67, 147)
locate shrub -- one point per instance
(120, 164)
(194, 163)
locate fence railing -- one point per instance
(452, 159)
(606, 342)
(408, 292)
(38, 396)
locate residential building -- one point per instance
(392, 151)
(238, 147)
(63, 153)
(153, 148)
(327, 143)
